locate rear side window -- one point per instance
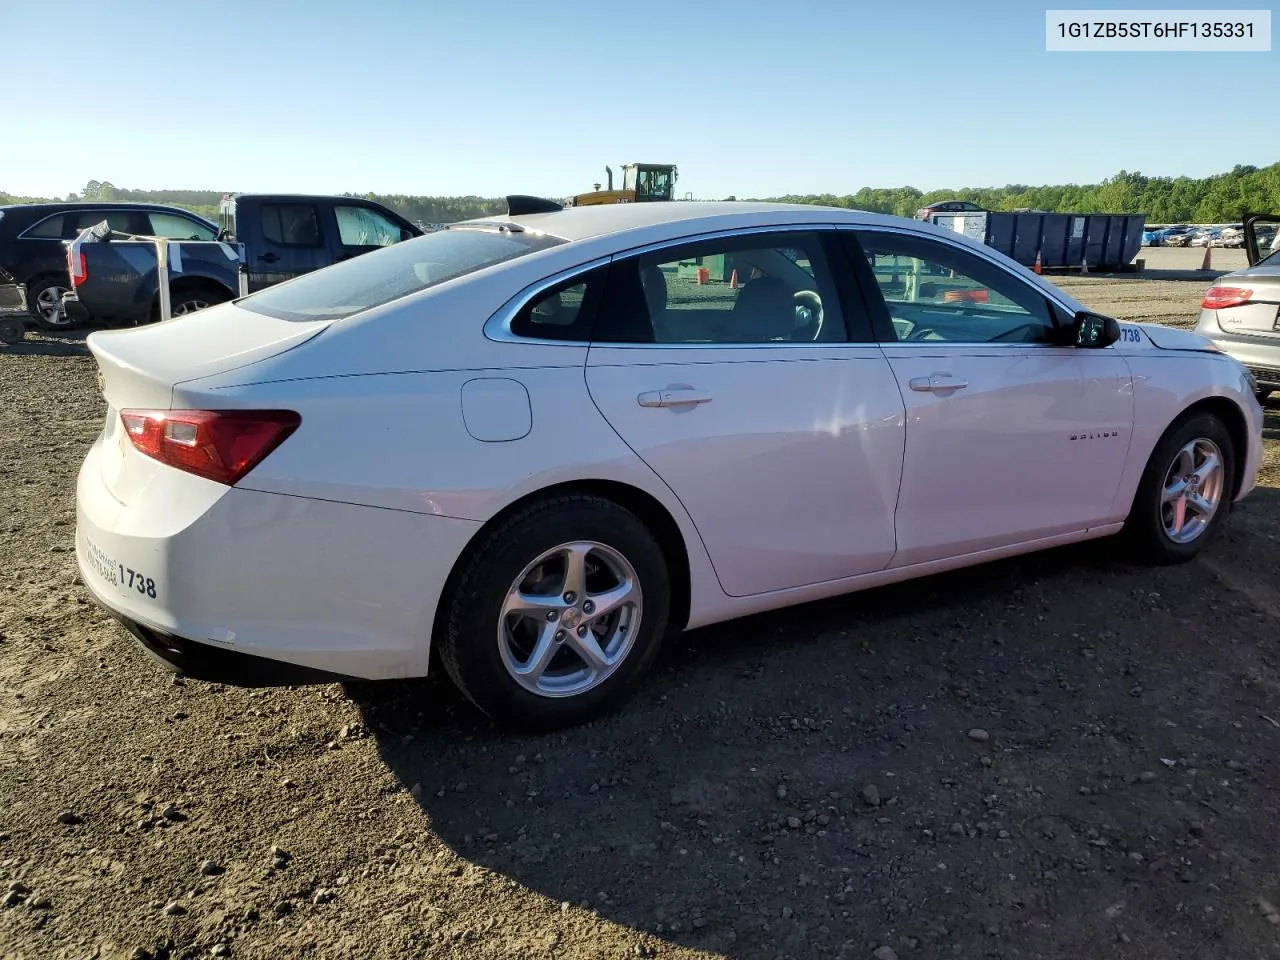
(372, 279)
(174, 227)
(48, 229)
(121, 221)
(291, 224)
(564, 312)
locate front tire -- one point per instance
(1184, 493)
(556, 613)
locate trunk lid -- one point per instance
(139, 367)
(1258, 317)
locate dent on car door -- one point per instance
(1010, 437)
(781, 437)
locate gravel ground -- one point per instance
(1058, 756)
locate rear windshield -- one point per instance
(372, 279)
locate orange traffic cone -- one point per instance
(733, 279)
(1204, 264)
(1036, 267)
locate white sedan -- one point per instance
(537, 444)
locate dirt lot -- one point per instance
(1060, 756)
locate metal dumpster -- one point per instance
(1108, 241)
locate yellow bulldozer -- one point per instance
(641, 183)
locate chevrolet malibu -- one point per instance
(528, 448)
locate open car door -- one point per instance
(1261, 236)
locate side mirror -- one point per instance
(1094, 330)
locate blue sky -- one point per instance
(750, 98)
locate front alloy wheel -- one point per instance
(1185, 491)
(1192, 491)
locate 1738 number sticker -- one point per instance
(136, 581)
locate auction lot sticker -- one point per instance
(1167, 31)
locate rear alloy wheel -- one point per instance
(1185, 491)
(190, 299)
(556, 612)
(44, 301)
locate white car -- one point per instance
(539, 443)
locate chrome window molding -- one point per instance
(498, 326)
(983, 254)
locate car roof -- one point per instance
(60, 205)
(582, 223)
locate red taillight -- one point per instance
(1219, 297)
(220, 445)
(76, 266)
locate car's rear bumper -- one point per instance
(1260, 354)
(201, 661)
(74, 310)
(226, 578)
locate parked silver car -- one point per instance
(1240, 313)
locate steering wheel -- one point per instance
(810, 301)
(922, 333)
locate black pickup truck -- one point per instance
(275, 236)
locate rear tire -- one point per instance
(1174, 516)
(517, 620)
(191, 297)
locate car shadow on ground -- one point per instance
(50, 343)
(746, 798)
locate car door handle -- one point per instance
(268, 257)
(937, 382)
(673, 397)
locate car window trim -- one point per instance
(596, 282)
(882, 325)
(147, 211)
(23, 234)
(498, 327)
(827, 238)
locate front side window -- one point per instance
(291, 224)
(363, 227)
(174, 227)
(767, 288)
(936, 292)
(375, 278)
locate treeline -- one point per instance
(1222, 198)
(1217, 199)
